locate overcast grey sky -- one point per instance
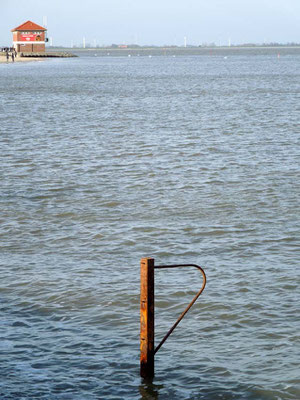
(156, 22)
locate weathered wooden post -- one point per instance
(147, 318)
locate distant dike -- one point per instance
(174, 50)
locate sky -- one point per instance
(156, 22)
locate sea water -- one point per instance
(187, 159)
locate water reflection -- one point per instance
(149, 390)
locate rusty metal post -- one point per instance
(147, 318)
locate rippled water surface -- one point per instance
(105, 160)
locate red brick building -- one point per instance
(29, 38)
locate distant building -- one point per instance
(29, 38)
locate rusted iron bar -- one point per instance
(147, 318)
(147, 313)
(189, 306)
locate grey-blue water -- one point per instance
(105, 160)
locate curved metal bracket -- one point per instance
(147, 301)
(191, 303)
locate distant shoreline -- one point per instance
(174, 51)
(154, 51)
(173, 48)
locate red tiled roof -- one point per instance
(29, 26)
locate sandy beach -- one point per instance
(19, 59)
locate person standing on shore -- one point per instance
(7, 56)
(13, 57)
